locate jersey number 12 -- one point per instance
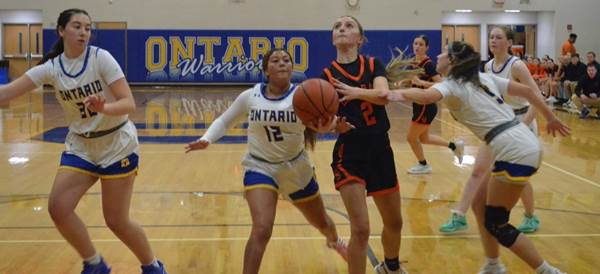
(273, 133)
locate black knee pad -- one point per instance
(496, 222)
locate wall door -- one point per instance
(468, 34)
(23, 47)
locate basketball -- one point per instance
(315, 98)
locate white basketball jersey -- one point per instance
(475, 108)
(76, 79)
(505, 72)
(275, 133)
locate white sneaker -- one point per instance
(497, 268)
(553, 270)
(381, 268)
(460, 150)
(419, 169)
(551, 100)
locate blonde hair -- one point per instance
(400, 68)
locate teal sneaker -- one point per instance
(529, 224)
(456, 223)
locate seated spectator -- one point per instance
(587, 92)
(539, 74)
(558, 80)
(573, 72)
(591, 59)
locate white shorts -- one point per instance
(533, 126)
(113, 155)
(518, 154)
(294, 179)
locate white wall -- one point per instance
(18, 17)
(319, 14)
(545, 35)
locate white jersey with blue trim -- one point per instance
(74, 80)
(275, 133)
(477, 109)
(505, 72)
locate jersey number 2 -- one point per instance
(273, 134)
(367, 111)
(85, 112)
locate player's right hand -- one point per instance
(196, 145)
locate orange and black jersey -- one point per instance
(368, 118)
(428, 70)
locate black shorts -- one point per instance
(366, 159)
(424, 114)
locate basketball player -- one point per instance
(363, 161)
(476, 100)
(101, 143)
(276, 162)
(509, 67)
(423, 115)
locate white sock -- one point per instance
(543, 267)
(154, 263)
(457, 212)
(492, 260)
(94, 259)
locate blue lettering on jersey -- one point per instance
(81, 92)
(267, 115)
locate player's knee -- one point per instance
(394, 225)
(116, 223)
(479, 172)
(360, 231)
(58, 210)
(496, 222)
(262, 232)
(411, 138)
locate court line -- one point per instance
(302, 238)
(543, 162)
(571, 174)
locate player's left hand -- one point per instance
(350, 93)
(554, 125)
(95, 102)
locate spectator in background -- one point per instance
(591, 59)
(587, 91)
(568, 46)
(573, 72)
(557, 84)
(539, 74)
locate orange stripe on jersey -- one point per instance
(329, 75)
(424, 61)
(346, 74)
(371, 64)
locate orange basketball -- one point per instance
(315, 98)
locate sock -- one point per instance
(452, 146)
(93, 259)
(154, 263)
(492, 260)
(392, 264)
(543, 267)
(457, 212)
(424, 162)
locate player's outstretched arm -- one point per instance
(15, 89)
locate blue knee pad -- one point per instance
(496, 222)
